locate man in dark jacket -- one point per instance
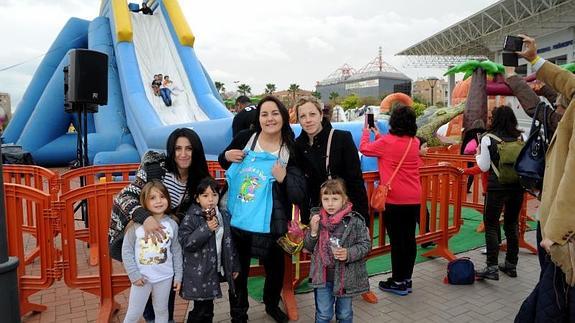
(246, 116)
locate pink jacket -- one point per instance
(406, 186)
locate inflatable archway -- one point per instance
(388, 101)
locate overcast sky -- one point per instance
(253, 42)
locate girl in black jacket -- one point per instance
(273, 135)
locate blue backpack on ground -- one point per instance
(460, 271)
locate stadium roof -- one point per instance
(376, 68)
(482, 34)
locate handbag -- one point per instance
(379, 195)
(530, 163)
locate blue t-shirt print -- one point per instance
(250, 199)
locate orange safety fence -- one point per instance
(476, 199)
(64, 240)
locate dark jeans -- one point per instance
(165, 93)
(274, 268)
(149, 310)
(470, 177)
(400, 226)
(494, 203)
(203, 312)
(541, 253)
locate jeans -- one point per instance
(400, 225)
(494, 203)
(324, 301)
(165, 93)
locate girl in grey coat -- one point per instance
(209, 253)
(339, 242)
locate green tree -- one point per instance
(370, 100)
(293, 88)
(244, 89)
(333, 97)
(220, 87)
(351, 101)
(270, 88)
(419, 108)
(316, 94)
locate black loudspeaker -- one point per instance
(88, 77)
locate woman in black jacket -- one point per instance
(272, 135)
(319, 164)
(343, 162)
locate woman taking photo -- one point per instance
(264, 182)
(403, 201)
(508, 196)
(319, 164)
(180, 170)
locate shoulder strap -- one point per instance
(327, 170)
(400, 162)
(495, 170)
(254, 141)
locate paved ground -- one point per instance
(431, 300)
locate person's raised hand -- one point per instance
(314, 224)
(153, 230)
(213, 224)
(529, 51)
(234, 155)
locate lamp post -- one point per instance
(432, 80)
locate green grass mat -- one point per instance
(467, 239)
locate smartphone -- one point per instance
(513, 43)
(510, 59)
(370, 120)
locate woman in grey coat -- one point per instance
(209, 252)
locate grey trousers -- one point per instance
(139, 297)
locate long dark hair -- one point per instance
(402, 121)
(287, 133)
(504, 122)
(198, 168)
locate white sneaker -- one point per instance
(484, 251)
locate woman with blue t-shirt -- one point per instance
(263, 184)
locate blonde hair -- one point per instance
(333, 186)
(308, 99)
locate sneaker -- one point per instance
(277, 314)
(484, 251)
(489, 272)
(369, 297)
(393, 287)
(408, 285)
(509, 269)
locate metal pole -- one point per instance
(9, 299)
(432, 95)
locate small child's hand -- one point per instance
(235, 274)
(213, 224)
(340, 254)
(177, 286)
(314, 224)
(140, 282)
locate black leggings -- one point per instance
(274, 267)
(400, 226)
(494, 203)
(203, 312)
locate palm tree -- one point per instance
(293, 88)
(333, 96)
(244, 89)
(270, 88)
(316, 94)
(220, 87)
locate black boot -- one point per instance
(509, 269)
(489, 272)
(277, 314)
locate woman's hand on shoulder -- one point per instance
(153, 230)
(234, 155)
